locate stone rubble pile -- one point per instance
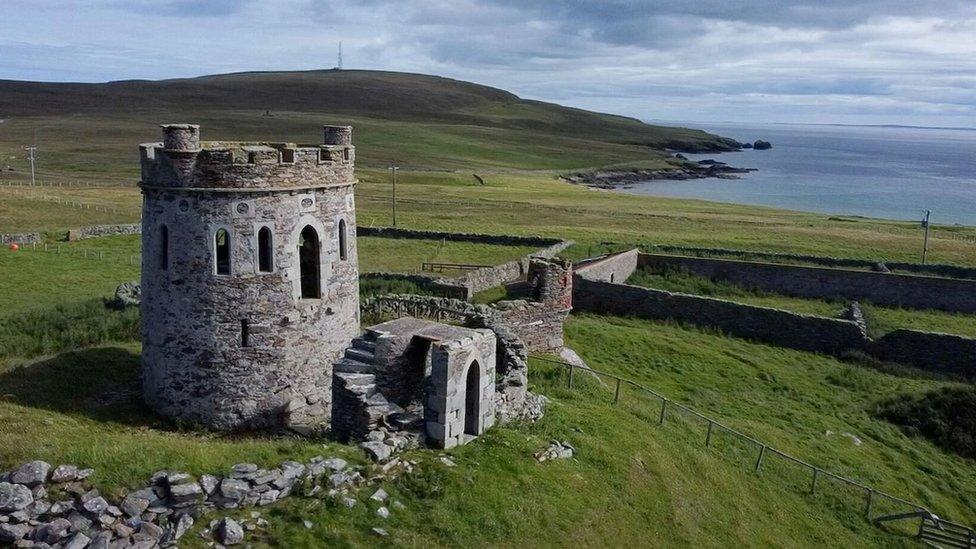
(41, 507)
(556, 450)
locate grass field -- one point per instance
(881, 320)
(633, 482)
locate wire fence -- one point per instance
(94, 254)
(762, 457)
(33, 194)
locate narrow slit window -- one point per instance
(265, 252)
(342, 239)
(288, 156)
(345, 154)
(164, 247)
(222, 251)
(308, 261)
(245, 333)
(252, 157)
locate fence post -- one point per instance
(664, 409)
(708, 437)
(762, 452)
(813, 485)
(616, 393)
(571, 368)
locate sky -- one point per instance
(747, 61)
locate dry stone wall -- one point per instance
(20, 238)
(611, 268)
(889, 289)
(932, 269)
(783, 328)
(943, 353)
(96, 231)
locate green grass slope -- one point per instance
(90, 130)
(633, 482)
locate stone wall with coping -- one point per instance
(932, 269)
(20, 238)
(478, 280)
(943, 353)
(782, 328)
(610, 268)
(888, 289)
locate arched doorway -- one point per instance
(472, 400)
(308, 261)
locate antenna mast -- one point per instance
(339, 66)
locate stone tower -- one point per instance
(250, 279)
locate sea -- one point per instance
(891, 172)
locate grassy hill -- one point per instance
(69, 368)
(90, 130)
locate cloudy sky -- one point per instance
(836, 61)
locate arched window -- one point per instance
(265, 252)
(308, 261)
(164, 247)
(222, 251)
(472, 400)
(342, 239)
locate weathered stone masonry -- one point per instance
(249, 277)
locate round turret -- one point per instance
(250, 278)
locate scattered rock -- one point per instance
(448, 461)
(377, 450)
(383, 512)
(14, 497)
(128, 294)
(380, 532)
(556, 450)
(379, 495)
(78, 541)
(31, 474)
(761, 145)
(64, 473)
(308, 524)
(229, 532)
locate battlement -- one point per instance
(182, 160)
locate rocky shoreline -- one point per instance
(614, 178)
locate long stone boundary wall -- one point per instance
(435, 284)
(943, 353)
(396, 232)
(934, 269)
(609, 268)
(22, 238)
(889, 289)
(929, 351)
(782, 328)
(96, 231)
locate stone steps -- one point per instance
(364, 345)
(362, 355)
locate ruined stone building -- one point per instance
(250, 304)
(250, 277)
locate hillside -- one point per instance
(424, 121)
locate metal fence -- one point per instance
(762, 451)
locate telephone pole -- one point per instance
(393, 170)
(925, 244)
(31, 156)
(339, 66)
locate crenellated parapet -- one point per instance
(182, 161)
